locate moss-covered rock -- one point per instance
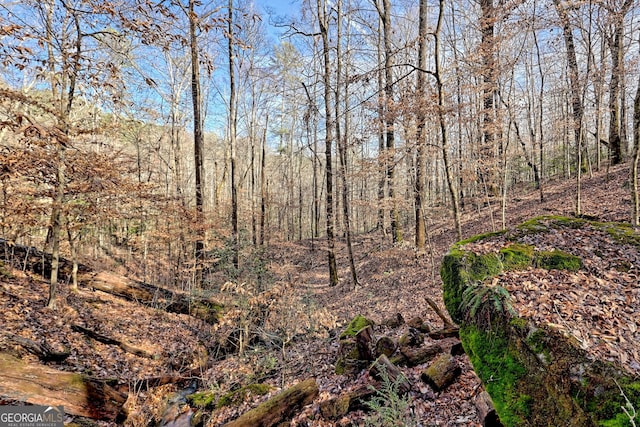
(517, 256)
(557, 260)
(535, 375)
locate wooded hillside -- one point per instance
(201, 158)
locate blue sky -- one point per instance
(281, 7)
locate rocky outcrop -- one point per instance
(541, 373)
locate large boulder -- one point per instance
(547, 315)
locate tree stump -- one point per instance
(356, 345)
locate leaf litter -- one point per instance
(598, 305)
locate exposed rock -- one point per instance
(537, 371)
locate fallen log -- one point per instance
(486, 411)
(441, 373)
(28, 258)
(42, 350)
(448, 324)
(445, 333)
(386, 346)
(31, 259)
(411, 356)
(280, 407)
(126, 346)
(346, 402)
(144, 293)
(42, 385)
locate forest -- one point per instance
(185, 153)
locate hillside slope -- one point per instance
(182, 352)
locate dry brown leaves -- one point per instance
(175, 342)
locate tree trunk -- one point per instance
(56, 226)
(443, 130)
(198, 136)
(487, 50)
(263, 183)
(323, 20)
(576, 101)
(635, 217)
(232, 138)
(389, 121)
(421, 233)
(616, 46)
(342, 147)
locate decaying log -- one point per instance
(394, 322)
(31, 259)
(383, 366)
(486, 411)
(448, 324)
(42, 350)
(445, 333)
(412, 337)
(280, 407)
(412, 356)
(28, 258)
(441, 373)
(346, 402)
(456, 349)
(133, 290)
(42, 385)
(386, 346)
(364, 339)
(126, 346)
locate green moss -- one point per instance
(461, 269)
(202, 399)
(557, 260)
(608, 406)
(621, 232)
(259, 389)
(518, 323)
(534, 375)
(479, 237)
(356, 325)
(209, 399)
(544, 223)
(517, 256)
(236, 397)
(495, 361)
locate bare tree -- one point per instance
(635, 214)
(575, 90)
(616, 47)
(233, 120)
(323, 22)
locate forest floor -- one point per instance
(306, 314)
